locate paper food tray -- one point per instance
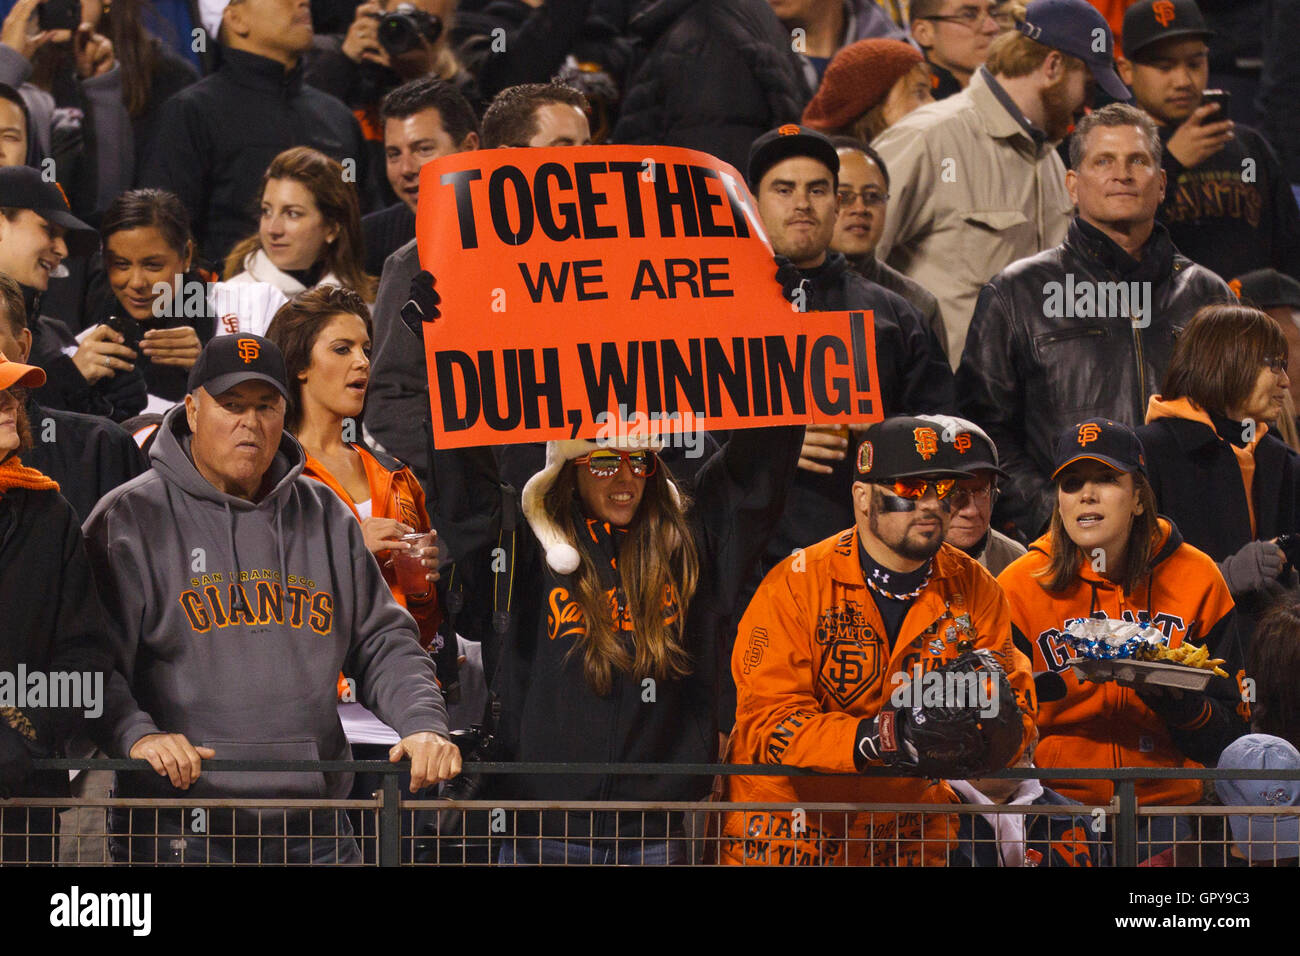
(1137, 673)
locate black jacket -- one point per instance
(216, 137)
(1061, 834)
(1033, 364)
(87, 455)
(549, 712)
(118, 397)
(53, 621)
(716, 74)
(1226, 220)
(385, 231)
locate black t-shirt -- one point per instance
(884, 584)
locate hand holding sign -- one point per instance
(423, 304)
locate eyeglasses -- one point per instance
(869, 195)
(915, 489)
(961, 497)
(972, 17)
(1277, 364)
(606, 462)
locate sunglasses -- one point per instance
(914, 489)
(606, 462)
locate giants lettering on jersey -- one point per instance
(1056, 649)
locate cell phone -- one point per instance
(128, 328)
(59, 15)
(1220, 98)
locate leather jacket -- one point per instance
(1038, 358)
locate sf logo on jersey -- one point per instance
(854, 658)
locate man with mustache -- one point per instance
(1087, 328)
(820, 650)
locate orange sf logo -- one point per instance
(249, 349)
(927, 442)
(1163, 11)
(789, 129)
(1088, 432)
(1235, 286)
(962, 443)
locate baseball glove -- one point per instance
(971, 733)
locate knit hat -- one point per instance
(561, 555)
(859, 77)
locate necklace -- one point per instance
(910, 594)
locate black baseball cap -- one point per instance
(1265, 288)
(1071, 26)
(784, 142)
(906, 447)
(229, 360)
(1099, 439)
(22, 187)
(965, 445)
(1151, 21)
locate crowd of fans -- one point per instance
(1074, 225)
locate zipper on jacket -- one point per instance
(1141, 370)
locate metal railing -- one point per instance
(390, 827)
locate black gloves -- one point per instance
(797, 289)
(422, 306)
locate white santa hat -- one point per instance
(210, 12)
(561, 555)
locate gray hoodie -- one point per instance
(232, 620)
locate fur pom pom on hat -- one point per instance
(561, 555)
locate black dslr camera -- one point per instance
(401, 29)
(1290, 545)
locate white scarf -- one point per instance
(1008, 828)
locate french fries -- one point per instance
(1190, 655)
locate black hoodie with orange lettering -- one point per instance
(1109, 725)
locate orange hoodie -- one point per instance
(1185, 408)
(1107, 725)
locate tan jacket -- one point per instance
(999, 551)
(970, 193)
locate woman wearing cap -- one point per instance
(324, 334)
(52, 621)
(1108, 554)
(157, 292)
(310, 229)
(1209, 437)
(604, 608)
(868, 87)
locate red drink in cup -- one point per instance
(410, 572)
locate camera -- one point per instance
(401, 29)
(1290, 545)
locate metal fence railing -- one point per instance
(386, 826)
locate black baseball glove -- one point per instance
(423, 304)
(976, 730)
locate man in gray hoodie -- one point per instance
(237, 591)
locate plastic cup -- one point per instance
(410, 572)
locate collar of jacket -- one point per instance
(1170, 540)
(829, 271)
(1195, 433)
(846, 567)
(260, 72)
(998, 120)
(1156, 264)
(942, 83)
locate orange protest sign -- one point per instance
(584, 286)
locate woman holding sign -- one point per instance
(603, 601)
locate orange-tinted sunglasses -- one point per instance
(605, 462)
(914, 489)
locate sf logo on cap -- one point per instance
(789, 129)
(249, 349)
(962, 443)
(1088, 432)
(1163, 10)
(927, 442)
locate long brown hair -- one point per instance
(296, 327)
(656, 558)
(1063, 567)
(337, 201)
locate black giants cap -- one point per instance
(1150, 21)
(21, 187)
(1099, 439)
(1077, 27)
(905, 447)
(229, 360)
(784, 142)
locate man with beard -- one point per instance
(1085, 329)
(819, 655)
(976, 180)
